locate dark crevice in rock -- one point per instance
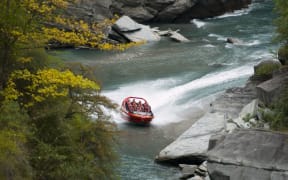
(195, 160)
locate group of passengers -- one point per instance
(138, 106)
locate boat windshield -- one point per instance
(142, 113)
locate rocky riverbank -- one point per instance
(226, 140)
(154, 10)
(144, 11)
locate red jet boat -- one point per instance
(136, 110)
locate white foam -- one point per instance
(252, 43)
(219, 37)
(249, 43)
(209, 46)
(198, 23)
(162, 94)
(209, 80)
(220, 64)
(235, 13)
(261, 54)
(228, 45)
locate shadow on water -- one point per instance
(136, 125)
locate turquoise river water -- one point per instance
(178, 79)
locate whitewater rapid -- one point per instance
(163, 94)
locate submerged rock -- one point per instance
(249, 154)
(234, 41)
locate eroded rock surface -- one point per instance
(249, 154)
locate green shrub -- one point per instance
(278, 116)
(283, 54)
(267, 69)
(14, 162)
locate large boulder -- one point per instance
(134, 31)
(191, 147)
(250, 155)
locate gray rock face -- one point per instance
(269, 91)
(232, 172)
(91, 10)
(139, 13)
(234, 99)
(158, 5)
(175, 10)
(250, 155)
(153, 10)
(192, 145)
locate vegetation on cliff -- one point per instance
(281, 21)
(278, 117)
(282, 29)
(52, 124)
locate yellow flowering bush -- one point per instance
(46, 83)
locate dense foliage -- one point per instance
(281, 8)
(52, 124)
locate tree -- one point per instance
(14, 162)
(50, 111)
(30, 24)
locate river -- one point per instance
(178, 79)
